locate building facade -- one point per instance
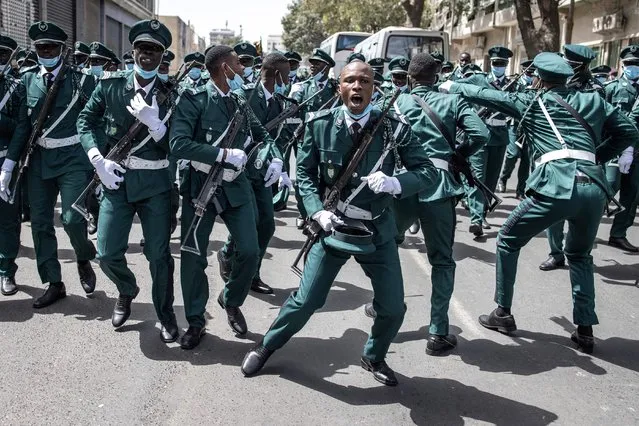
(185, 39)
(107, 21)
(604, 25)
(274, 43)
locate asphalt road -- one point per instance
(67, 365)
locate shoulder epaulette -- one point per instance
(397, 117)
(197, 90)
(115, 74)
(30, 69)
(608, 83)
(318, 114)
(248, 86)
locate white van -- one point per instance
(399, 41)
(339, 46)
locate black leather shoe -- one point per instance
(169, 333)
(414, 228)
(551, 264)
(54, 293)
(504, 324)
(8, 286)
(87, 276)
(122, 309)
(26, 216)
(260, 286)
(225, 266)
(142, 242)
(436, 345)
(501, 186)
(300, 222)
(485, 224)
(584, 343)
(623, 244)
(381, 371)
(476, 228)
(192, 337)
(255, 359)
(234, 315)
(92, 227)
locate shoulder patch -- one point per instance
(318, 114)
(397, 117)
(197, 90)
(114, 74)
(249, 86)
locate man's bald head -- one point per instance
(358, 66)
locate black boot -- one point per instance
(381, 371)
(87, 276)
(476, 229)
(436, 345)
(584, 343)
(234, 316)
(503, 324)
(259, 286)
(623, 244)
(192, 337)
(552, 263)
(122, 309)
(255, 359)
(169, 332)
(55, 292)
(8, 286)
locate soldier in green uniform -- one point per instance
(568, 182)
(446, 71)
(165, 65)
(398, 67)
(58, 164)
(487, 162)
(199, 124)
(515, 149)
(294, 60)
(266, 106)
(114, 64)
(434, 118)
(127, 58)
(194, 77)
(600, 73)
(26, 60)
(81, 55)
(378, 66)
(458, 72)
(623, 93)
(11, 95)
(247, 54)
(579, 58)
(143, 185)
(365, 203)
(321, 62)
(99, 59)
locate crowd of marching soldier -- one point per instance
(377, 154)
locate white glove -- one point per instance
(5, 178)
(229, 175)
(236, 157)
(625, 160)
(106, 169)
(327, 220)
(378, 182)
(183, 164)
(273, 172)
(285, 181)
(149, 115)
(445, 86)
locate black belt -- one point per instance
(582, 179)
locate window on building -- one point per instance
(114, 35)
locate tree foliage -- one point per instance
(545, 37)
(309, 22)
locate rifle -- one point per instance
(290, 111)
(38, 126)
(7, 66)
(214, 178)
(120, 151)
(313, 229)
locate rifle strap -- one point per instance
(436, 121)
(577, 117)
(7, 95)
(75, 98)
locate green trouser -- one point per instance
(534, 214)
(263, 203)
(24, 193)
(43, 196)
(486, 165)
(321, 267)
(195, 285)
(10, 224)
(437, 219)
(512, 154)
(629, 199)
(114, 226)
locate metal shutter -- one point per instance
(62, 13)
(16, 18)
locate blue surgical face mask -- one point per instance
(97, 70)
(292, 73)
(49, 63)
(499, 71)
(235, 83)
(631, 71)
(354, 116)
(280, 88)
(527, 79)
(195, 74)
(319, 76)
(248, 72)
(403, 88)
(163, 77)
(601, 80)
(128, 66)
(147, 75)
